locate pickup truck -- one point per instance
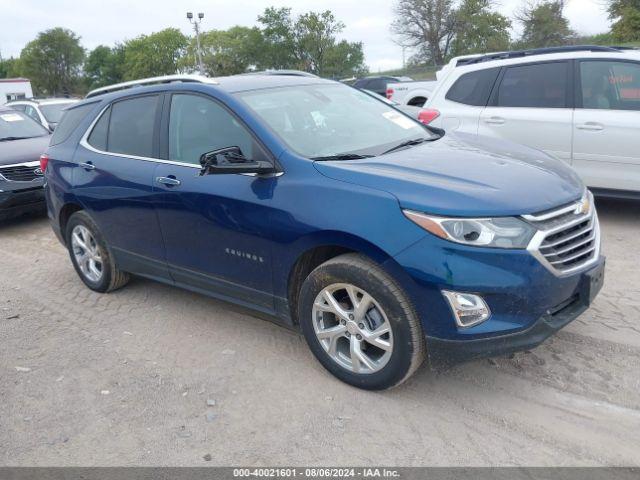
(414, 93)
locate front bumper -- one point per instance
(443, 352)
(18, 198)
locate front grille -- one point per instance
(567, 240)
(21, 173)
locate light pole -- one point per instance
(196, 27)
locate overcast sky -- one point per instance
(108, 21)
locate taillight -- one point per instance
(389, 93)
(428, 115)
(44, 161)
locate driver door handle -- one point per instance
(591, 126)
(169, 181)
(494, 121)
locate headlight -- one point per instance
(499, 232)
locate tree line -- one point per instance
(56, 63)
(438, 30)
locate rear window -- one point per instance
(473, 88)
(127, 127)
(69, 122)
(542, 85)
(53, 111)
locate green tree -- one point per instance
(154, 55)
(53, 61)
(479, 29)
(278, 40)
(9, 68)
(225, 52)
(104, 66)
(428, 25)
(544, 24)
(315, 35)
(626, 20)
(345, 59)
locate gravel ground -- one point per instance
(124, 379)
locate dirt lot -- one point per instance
(124, 379)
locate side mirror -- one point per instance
(231, 160)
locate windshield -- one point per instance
(53, 111)
(334, 119)
(16, 125)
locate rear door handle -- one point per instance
(591, 127)
(494, 121)
(88, 166)
(169, 181)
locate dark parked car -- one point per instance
(378, 84)
(383, 240)
(22, 141)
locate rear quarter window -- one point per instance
(473, 88)
(69, 122)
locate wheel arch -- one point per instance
(66, 211)
(314, 251)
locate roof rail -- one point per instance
(151, 81)
(535, 51)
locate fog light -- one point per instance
(468, 309)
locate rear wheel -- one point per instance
(359, 323)
(90, 256)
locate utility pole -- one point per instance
(196, 27)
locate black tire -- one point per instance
(112, 278)
(408, 340)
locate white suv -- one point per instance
(46, 111)
(579, 104)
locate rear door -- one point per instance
(113, 179)
(533, 105)
(606, 144)
(216, 228)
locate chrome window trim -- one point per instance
(534, 245)
(84, 142)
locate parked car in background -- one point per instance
(22, 141)
(46, 111)
(580, 104)
(414, 93)
(420, 114)
(378, 84)
(302, 198)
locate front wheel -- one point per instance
(359, 323)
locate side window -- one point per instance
(131, 126)
(542, 85)
(70, 120)
(98, 137)
(473, 88)
(29, 110)
(198, 125)
(610, 85)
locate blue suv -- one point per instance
(383, 240)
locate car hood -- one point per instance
(465, 175)
(19, 151)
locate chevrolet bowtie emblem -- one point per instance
(583, 207)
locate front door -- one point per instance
(215, 227)
(606, 144)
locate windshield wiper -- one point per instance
(342, 156)
(6, 139)
(408, 143)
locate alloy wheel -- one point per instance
(87, 253)
(352, 328)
